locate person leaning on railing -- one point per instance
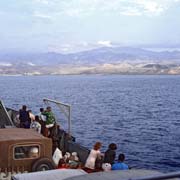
(94, 155)
(50, 121)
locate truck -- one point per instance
(25, 150)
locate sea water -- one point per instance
(141, 114)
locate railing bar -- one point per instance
(50, 100)
(63, 110)
(159, 177)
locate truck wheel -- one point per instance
(43, 164)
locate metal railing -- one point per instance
(66, 111)
(5, 119)
(159, 177)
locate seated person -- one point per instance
(34, 152)
(120, 165)
(62, 164)
(73, 161)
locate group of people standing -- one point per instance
(107, 160)
(42, 123)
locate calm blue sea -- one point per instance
(139, 113)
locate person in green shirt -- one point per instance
(50, 120)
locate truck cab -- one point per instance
(24, 150)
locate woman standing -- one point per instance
(94, 154)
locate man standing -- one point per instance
(50, 120)
(24, 117)
(41, 116)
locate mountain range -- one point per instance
(128, 60)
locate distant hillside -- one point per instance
(95, 56)
(105, 60)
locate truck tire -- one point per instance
(42, 164)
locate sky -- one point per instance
(74, 25)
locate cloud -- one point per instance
(69, 47)
(73, 12)
(129, 11)
(78, 46)
(125, 7)
(83, 8)
(30, 64)
(151, 7)
(46, 2)
(41, 15)
(75, 46)
(105, 43)
(5, 64)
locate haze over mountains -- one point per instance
(104, 60)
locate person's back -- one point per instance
(41, 116)
(50, 119)
(36, 125)
(31, 115)
(94, 154)
(120, 165)
(41, 119)
(49, 123)
(24, 117)
(110, 154)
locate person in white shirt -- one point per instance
(94, 154)
(31, 115)
(36, 125)
(41, 116)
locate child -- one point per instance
(120, 165)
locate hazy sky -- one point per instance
(66, 25)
